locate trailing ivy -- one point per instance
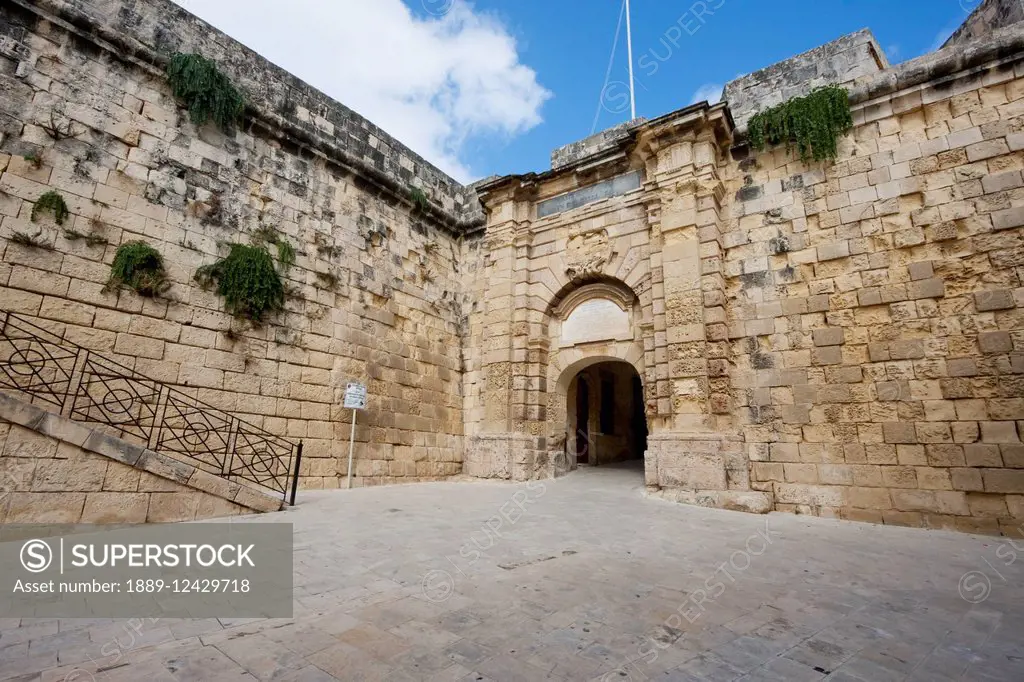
(138, 266)
(419, 199)
(248, 281)
(207, 92)
(53, 202)
(285, 251)
(813, 124)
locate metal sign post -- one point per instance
(355, 400)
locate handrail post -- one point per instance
(295, 481)
(75, 378)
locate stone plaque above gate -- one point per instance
(585, 195)
(598, 319)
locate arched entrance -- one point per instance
(606, 420)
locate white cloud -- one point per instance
(709, 92)
(433, 83)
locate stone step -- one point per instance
(55, 489)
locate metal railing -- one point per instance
(85, 386)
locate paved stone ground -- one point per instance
(578, 579)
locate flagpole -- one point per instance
(629, 48)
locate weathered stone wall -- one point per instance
(876, 307)
(986, 17)
(840, 62)
(841, 338)
(603, 141)
(370, 297)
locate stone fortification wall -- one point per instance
(369, 297)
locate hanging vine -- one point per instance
(208, 93)
(53, 202)
(285, 251)
(140, 267)
(248, 281)
(419, 199)
(813, 124)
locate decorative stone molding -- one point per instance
(618, 294)
(587, 253)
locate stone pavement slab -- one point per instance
(582, 578)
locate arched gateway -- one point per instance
(616, 260)
(596, 406)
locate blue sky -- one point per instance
(568, 42)
(483, 87)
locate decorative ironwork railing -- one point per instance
(88, 387)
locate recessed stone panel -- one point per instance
(595, 320)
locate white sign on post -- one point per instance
(355, 399)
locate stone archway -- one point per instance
(588, 324)
(606, 420)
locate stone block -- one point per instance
(878, 352)
(941, 502)
(814, 495)
(995, 342)
(29, 444)
(869, 498)
(870, 296)
(966, 479)
(999, 432)
(996, 299)
(899, 432)
(986, 150)
(828, 355)
(115, 507)
(692, 471)
(1003, 480)
(114, 448)
(840, 249)
(172, 507)
(922, 270)
(801, 473)
(945, 455)
(165, 467)
(829, 336)
(211, 507)
(257, 501)
(987, 505)
(1008, 218)
(980, 455)
(910, 349)
(45, 507)
(1013, 455)
(926, 288)
(962, 367)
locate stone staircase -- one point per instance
(94, 426)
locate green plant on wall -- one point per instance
(53, 202)
(264, 236)
(208, 93)
(419, 199)
(813, 124)
(140, 267)
(248, 281)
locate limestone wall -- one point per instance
(371, 296)
(842, 338)
(986, 17)
(840, 62)
(876, 307)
